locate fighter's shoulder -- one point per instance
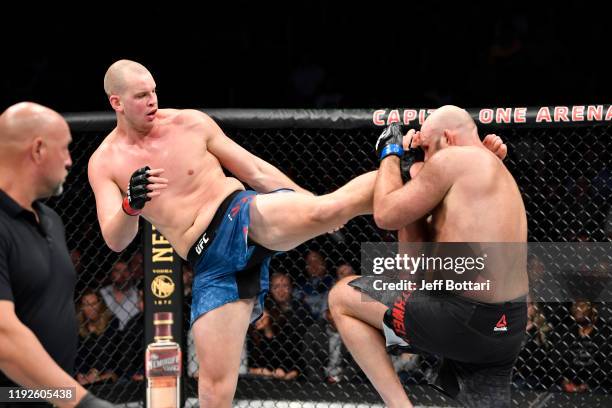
(445, 158)
(190, 118)
(480, 156)
(467, 155)
(104, 151)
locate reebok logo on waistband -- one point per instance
(203, 241)
(501, 325)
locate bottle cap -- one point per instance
(163, 325)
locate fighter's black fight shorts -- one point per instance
(478, 342)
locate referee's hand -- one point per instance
(91, 401)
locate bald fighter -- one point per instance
(166, 165)
(471, 197)
(38, 327)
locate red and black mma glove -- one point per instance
(390, 142)
(137, 190)
(410, 156)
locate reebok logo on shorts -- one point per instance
(502, 325)
(398, 312)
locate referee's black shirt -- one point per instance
(37, 275)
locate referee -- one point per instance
(38, 330)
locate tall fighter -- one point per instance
(166, 165)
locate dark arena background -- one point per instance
(308, 87)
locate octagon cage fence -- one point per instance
(560, 160)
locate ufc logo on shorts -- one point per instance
(203, 241)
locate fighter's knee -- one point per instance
(339, 295)
(213, 391)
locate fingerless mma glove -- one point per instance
(410, 157)
(137, 190)
(390, 142)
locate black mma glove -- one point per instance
(137, 191)
(91, 401)
(390, 142)
(410, 157)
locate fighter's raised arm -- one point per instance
(394, 208)
(252, 170)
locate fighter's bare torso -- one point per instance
(196, 182)
(484, 205)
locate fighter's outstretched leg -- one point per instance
(285, 220)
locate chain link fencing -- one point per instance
(295, 353)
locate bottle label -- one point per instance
(161, 363)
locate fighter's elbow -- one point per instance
(384, 220)
(383, 216)
(117, 236)
(115, 244)
(115, 247)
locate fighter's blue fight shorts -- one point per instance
(227, 266)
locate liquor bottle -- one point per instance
(163, 365)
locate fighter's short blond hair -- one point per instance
(114, 79)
